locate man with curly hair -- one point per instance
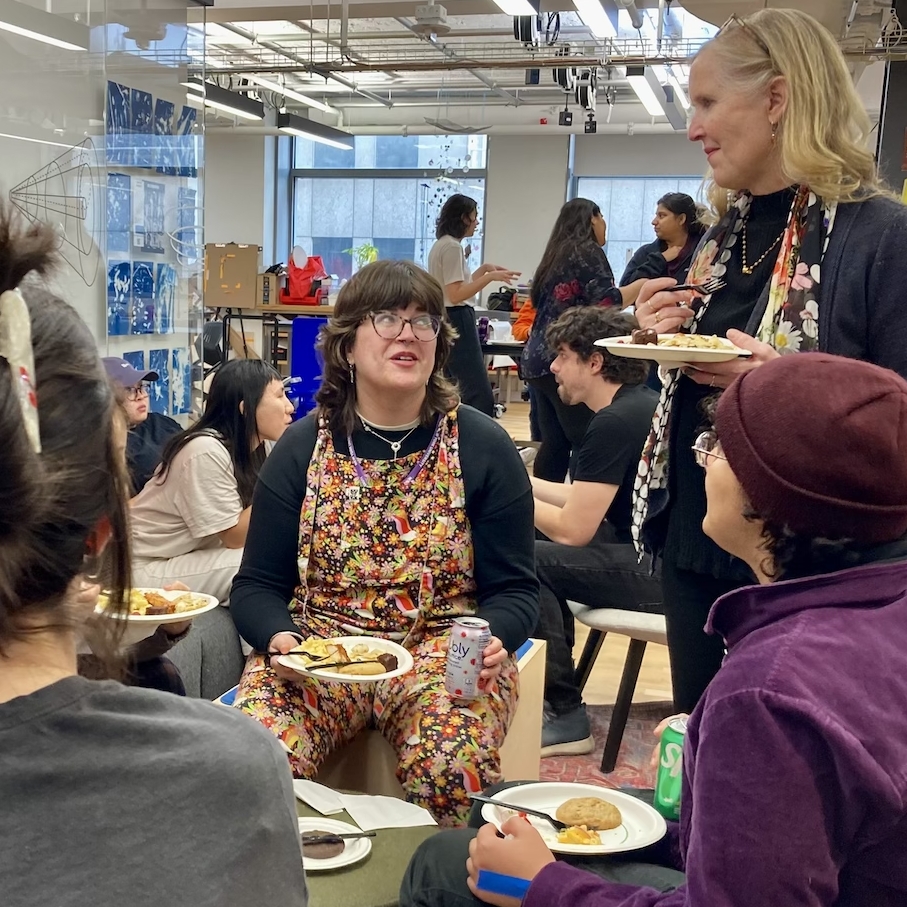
(585, 552)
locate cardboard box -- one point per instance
(231, 275)
(268, 290)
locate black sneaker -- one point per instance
(567, 735)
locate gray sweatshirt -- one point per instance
(119, 797)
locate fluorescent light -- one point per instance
(25, 138)
(679, 92)
(289, 93)
(30, 22)
(517, 7)
(194, 85)
(292, 124)
(229, 101)
(595, 18)
(641, 81)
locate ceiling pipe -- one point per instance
(307, 65)
(425, 129)
(453, 57)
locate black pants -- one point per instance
(602, 574)
(466, 365)
(436, 875)
(562, 428)
(695, 656)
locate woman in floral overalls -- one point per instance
(390, 511)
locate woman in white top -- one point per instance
(447, 264)
(189, 522)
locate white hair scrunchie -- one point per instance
(16, 349)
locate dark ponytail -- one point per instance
(52, 502)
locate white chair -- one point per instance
(642, 628)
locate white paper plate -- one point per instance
(642, 825)
(669, 355)
(356, 849)
(404, 661)
(158, 619)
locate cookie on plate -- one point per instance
(593, 812)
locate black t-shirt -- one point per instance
(144, 445)
(499, 507)
(610, 450)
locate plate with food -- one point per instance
(322, 850)
(160, 606)
(673, 349)
(349, 659)
(600, 820)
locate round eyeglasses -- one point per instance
(389, 325)
(140, 390)
(705, 446)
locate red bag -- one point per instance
(300, 279)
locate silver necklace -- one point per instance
(394, 445)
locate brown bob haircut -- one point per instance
(578, 329)
(384, 286)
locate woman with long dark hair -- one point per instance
(185, 774)
(574, 270)
(457, 221)
(677, 231)
(190, 521)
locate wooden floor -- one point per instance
(654, 682)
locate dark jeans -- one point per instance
(602, 574)
(562, 428)
(695, 656)
(535, 433)
(436, 875)
(466, 365)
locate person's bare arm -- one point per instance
(554, 493)
(460, 290)
(235, 536)
(577, 521)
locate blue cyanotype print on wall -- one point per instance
(165, 288)
(154, 217)
(142, 127)
(162, 157)
(136, 360)
(185, 142)
(119, 297)
(119, 211)
(159, 402)
(142, 297)
(119, 123)
(181, 382)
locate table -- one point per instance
(375, 882)
(512, 348)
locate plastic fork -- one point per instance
(558, 825)
(712, 285)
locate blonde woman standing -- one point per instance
(810, 248)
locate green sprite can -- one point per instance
(670, 769)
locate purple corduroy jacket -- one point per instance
(795, 762)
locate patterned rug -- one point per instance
(633, 769)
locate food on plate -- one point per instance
(150, 603)
(696, 342)
(644, 337)
(593, 812)
(359, 659)
(578, 834)
(322, 850)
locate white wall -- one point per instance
(234, 188)
(638, 155)
(527, 185)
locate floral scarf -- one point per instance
(790, 324)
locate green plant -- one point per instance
(363, 254)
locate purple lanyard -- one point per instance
(360, 472)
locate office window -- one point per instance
(628, 206)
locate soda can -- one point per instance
(469, 636)
(669, 780)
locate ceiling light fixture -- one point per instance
(643, 81)
(30, 22)
(679, 92)
(228, 101)
(292, 124)
(519, 7)
(289, 93)
(595, 18)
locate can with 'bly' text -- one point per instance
(469, 636)
(670, 769)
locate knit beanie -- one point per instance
(819, 444)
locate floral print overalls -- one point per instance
(385, 550)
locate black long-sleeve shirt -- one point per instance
(498, 505)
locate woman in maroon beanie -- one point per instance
(794, 780)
